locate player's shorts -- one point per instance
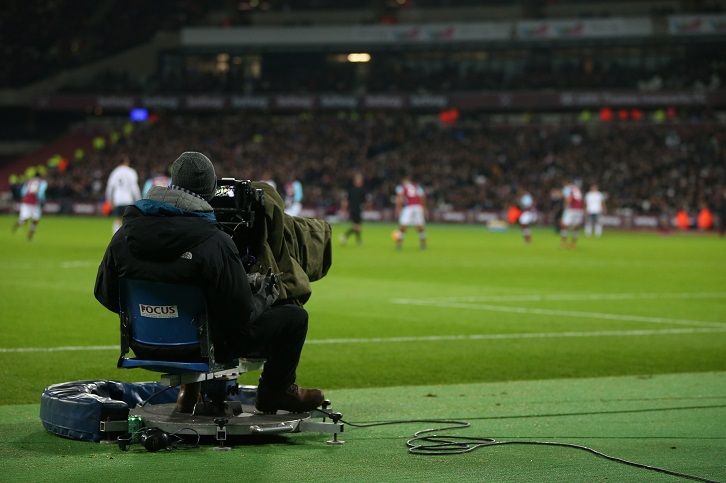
(527, 217)
(294, 209)
(30, 211)
(593, 217)
(572, 217)
(412, 216)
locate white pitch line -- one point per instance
(79, 263)
(541, 335)
(432, 338)
(606, 296)
(566, 313)
(68, 264)
(61, 349)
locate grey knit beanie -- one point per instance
(195, 172)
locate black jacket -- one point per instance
(177, 240)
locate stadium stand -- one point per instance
(547, 95)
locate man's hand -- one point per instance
(269, 288)
(255, 280)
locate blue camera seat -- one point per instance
(167, 327)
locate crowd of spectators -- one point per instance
(470, 164)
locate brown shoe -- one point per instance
(189, 396)
(294, 399)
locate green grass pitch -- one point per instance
(476, 306)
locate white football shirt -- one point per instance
(594, 202)
(123, 186)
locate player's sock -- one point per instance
(573, 239)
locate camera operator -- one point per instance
(172, 236)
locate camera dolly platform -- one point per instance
(239, 420)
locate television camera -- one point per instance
(239, 208)
(250, 213)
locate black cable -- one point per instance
(180, 439)
(436, 445)
(145, 402)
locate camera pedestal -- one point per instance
(238, 420)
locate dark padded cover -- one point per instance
(75, 409)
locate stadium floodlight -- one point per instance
(359, 57)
